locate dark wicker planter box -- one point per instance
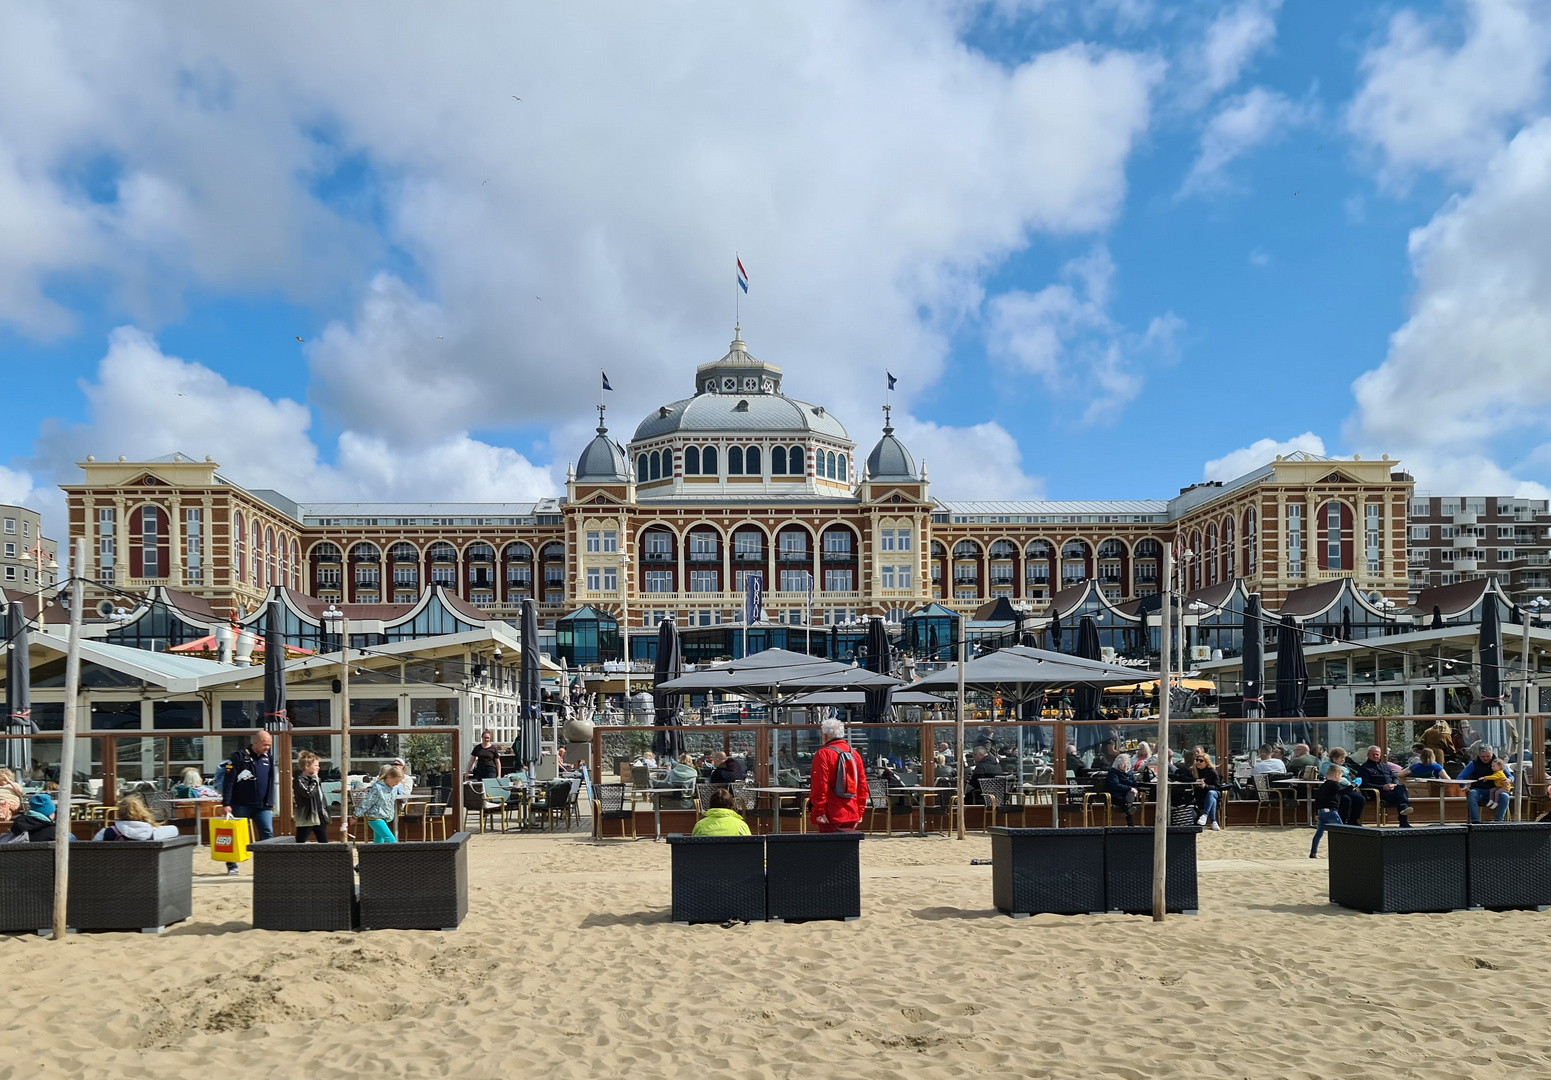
(130, 884)
(813, 876)
(1510, 865)
(1399, 870)
(415, 886)
(717, 878)
(303, 886)
(26, 888)
(1047, 871)
(1128, 870)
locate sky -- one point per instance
(1109, 248)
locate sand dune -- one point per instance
(568, 967)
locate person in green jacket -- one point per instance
(722, 817)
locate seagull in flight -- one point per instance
(516, 98)
(302, 340)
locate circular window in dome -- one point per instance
(751, 384)
(729, 384)
(768, 386)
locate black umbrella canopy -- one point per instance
(276, 716)
(1437, 623)
(1292, 674)
(1055, 634)
(1087, 698)
(1020, 674)
(1254, 659)
(667, 745)
(1491, 645)
(1346, 623)
(530, 749)
(931, 643)
(18, 688)
(879, 660)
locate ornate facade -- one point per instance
(740, 481)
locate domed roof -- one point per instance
(603, 459)
(740, 395)
(890, 460)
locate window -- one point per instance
(667, 464)
(751, 461)
(902, 538)
(837, 581)
(794, 543)
(328, 576)
(519, 575)
(845, 471)
(640, 469)
(1475, 506)
(887, 575)
(1448, 532)
(10, 525)
(594, 542)
(830, 466)
(610, 540)
(702, 581)
(655, 463)
(1448, 507)
(27, 528)
(1333, 535)
(1039, 572)
(658, 543)
(1421, 532)
(692, 461)
(902, 575)
(708, 461)
(370, 575)
(610, 579)
(746, 544)
(10, 573)
(886, 541)
(1250, 541)
(1294, 540)
(10, 551)
(1420, 508)
(1505, 532)
(794, 462)
(446, 576)
(406, 575)
(702, 545)
(1447, 554)
(964, 594)
(594, 579)
(735, 461)
(150, 528)
(1504, 554)
(1371, 537)
(794, 581)
(194, 544)
(742, 578)
(778, 461)
(659, 581)
(837, 542)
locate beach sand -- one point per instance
(568, 966)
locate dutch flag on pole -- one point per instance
(743, 275)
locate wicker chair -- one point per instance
(611, 802)
(476, 802)
(1266, 796)
(703, 793)
(559, 801)
(743, 794)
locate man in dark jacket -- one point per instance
(985, 765)
(1377, 778)
(728, 770)
(250, 789)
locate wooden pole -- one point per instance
(1520, 777)
(1163, 754)
(958, 763)
(67, 741)
(344, 728)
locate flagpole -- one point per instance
(737, 292)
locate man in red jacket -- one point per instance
(838, 789)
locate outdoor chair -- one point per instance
(997, 796)
(703, 793)
(610, 802)
(743, 794)
(1266, 796)
(559, 802)
(476, 802)
(640, 776)
(878, 800)
(437, 811)
(500, 790)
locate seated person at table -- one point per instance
(134, 821)
(1074, 763)
(683, 774)
(721, 817)
(986, 765)
(37, 823)
(1499, 777)
(1196, 771)
(1268, 765)
(1478, 777)
(12, 796)
(1327, 805)
(1375, 774)
(1143, 759)
(377, 808)
(1302, 759)
(1120, 782)
(727, 770)
(1353, 802)
(1425, 769)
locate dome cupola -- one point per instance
(604, 459)
(889, 459)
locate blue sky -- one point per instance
(1104, 245)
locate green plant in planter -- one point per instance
(427, 753)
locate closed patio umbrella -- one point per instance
(1346, 623)
(1055, 634)
(530, 748)
(1490, 645)
(1087, 698)
(1292, 674)
(879, 661)
(669, 744)
(18, 690)
(1437, 623)
(276, 715)
(1254, 660)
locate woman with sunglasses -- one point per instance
(1197, 771)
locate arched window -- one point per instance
(735, 461)
(296, 565)
(1074, 549)
(667, 464)
(778, 461)
(640, 468)
(708, 461)
(845, 472)
(830, 468)
(692, 461)
(1111, 549)
(751, 461)
(1211, 554)
(1037, 549)
(402, 552)
(655, 471)
(1249, 541)
(1227, 549)
(237, 549)
(258, 556)
(269, 557)
(794, 462)
(966, 549)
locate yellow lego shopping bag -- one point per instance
(229, 839)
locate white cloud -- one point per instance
(1243, 123)
(871, 169)
(1065, 335)
(1427, 103)
(1238, 462)
(16, 487)
(983, 461)
(1232, 40)
(1467, 380)
(145, 403)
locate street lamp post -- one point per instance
(335, 622)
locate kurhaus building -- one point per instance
(740, 481)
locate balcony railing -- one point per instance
(554, 556)
(702, 557)
(657, 556)
(334, 559)
(748, 556)
(839, 556)
(526, 556)
(444, 557)
(406, 556)
(794, 557)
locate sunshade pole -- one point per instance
(67, 740)
(1160, 829)
(958, 764)
(1519, 778)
